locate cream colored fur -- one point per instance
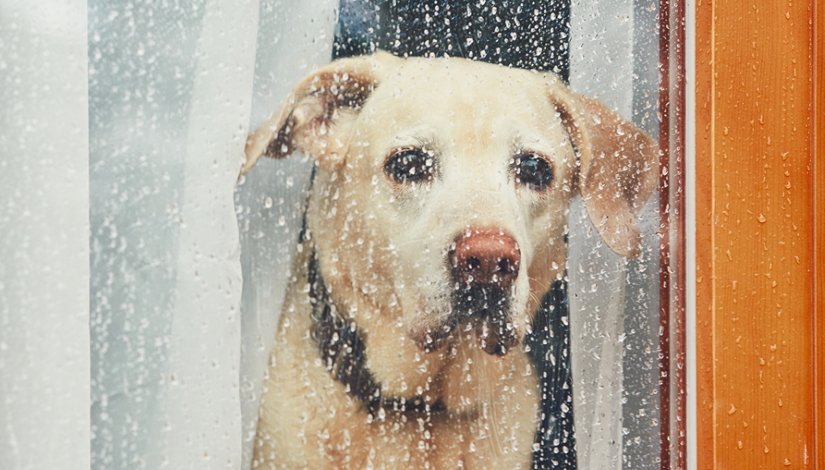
(382, 250)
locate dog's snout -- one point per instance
(485, 256)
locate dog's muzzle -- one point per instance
(484, 264)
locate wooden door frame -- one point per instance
(819, 230)
(759, 243)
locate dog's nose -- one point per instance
(485, 256)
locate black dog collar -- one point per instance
(343, 350)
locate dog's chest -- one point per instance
(438, 442)
(309, 420)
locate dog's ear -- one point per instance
(322, 100)
(617, 166)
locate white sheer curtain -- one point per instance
(201, 405)
(171, 89)
(614, 58)
(597, 284)
(44, 234)
(294, 38)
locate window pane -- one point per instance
(456, 226)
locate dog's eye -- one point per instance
(532, 171)
(411, 165)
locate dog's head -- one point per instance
(440, 206)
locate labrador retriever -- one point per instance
(436, 222)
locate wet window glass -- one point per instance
(385, 234)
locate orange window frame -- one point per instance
(760, 235)
(819, 230)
